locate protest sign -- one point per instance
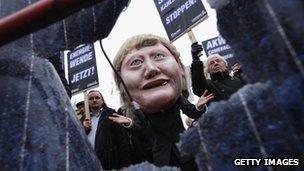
(82, 68)
(180, 16)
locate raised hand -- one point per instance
(236, 70)
(204, 99)
(120, 119)
(195, 50)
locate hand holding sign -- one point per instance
(196, 50)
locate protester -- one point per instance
(153, 73)
(80, 112)
(106, 137)
(140, 135)
(221, 84)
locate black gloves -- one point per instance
(195, 51)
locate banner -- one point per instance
(179, 16)
(82, 68)
(218, 45)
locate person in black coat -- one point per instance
(166, 126)
(155, 78)
(139, 132)
(108, 139)
(221, 84)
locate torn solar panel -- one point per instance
(15, 48)
(86, 26)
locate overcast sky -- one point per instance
(141, 17)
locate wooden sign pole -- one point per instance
(86, 105)
(193, 40)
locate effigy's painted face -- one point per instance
(153, 77)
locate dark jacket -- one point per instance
(222, 85)
(140, 138)
(166, 127)
(111, 142)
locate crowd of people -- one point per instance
(147, 125)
